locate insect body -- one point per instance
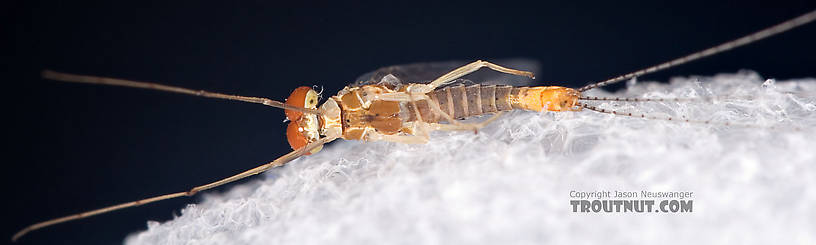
(385, 107)
(389, 111)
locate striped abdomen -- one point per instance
(474, 100)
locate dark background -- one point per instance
(74, 147)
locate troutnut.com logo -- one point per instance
(632, 201)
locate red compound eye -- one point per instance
(297, 98)
(295, 137)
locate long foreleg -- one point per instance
(74, 78)
(260, 169)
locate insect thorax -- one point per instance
(362, 113)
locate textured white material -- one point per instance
(511, 182)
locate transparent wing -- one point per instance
(428, 71)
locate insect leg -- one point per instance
(464, 70)
(405, 139)
(466, 126)
(414, 97)
(260, 169)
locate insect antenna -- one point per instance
(756, 36)
(66, 77)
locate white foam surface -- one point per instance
(511, 182)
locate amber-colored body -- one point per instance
(362, 114)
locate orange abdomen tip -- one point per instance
(551, 98)
(298, 99)
(560, 98)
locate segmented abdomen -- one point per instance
(461, 101)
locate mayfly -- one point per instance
(401, 104)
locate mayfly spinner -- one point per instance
(401, 104)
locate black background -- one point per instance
(74, 147)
